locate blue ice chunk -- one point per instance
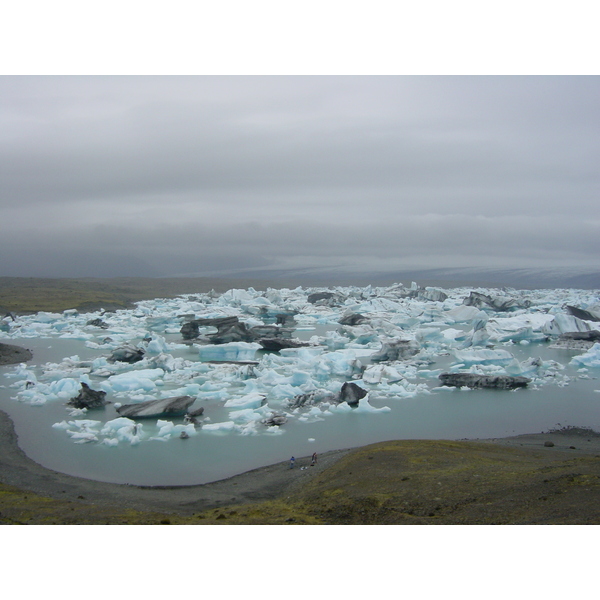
(238, 351)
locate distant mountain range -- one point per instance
(455, 277)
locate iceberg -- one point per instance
(377, 373)
(123, 429)
(167, 429)
(172, 407)
(392, 342)
(222, 427)
(352, 393)
(464, 314)
(591, 314)
(472, 380)
(496, 303)
(591, 358)
(253, 400)
(483, 357)
(337, 364)
(396, 350)
(143, 379)
(157, 346)
(562, 323)
(233, 351)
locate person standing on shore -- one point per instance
(292, 461)
(313, 461)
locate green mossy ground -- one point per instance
(402, 482)
(24, 295)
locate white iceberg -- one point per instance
(253, 400)
(143, 379)
(591, 358)
(483, 357)
(234, 351)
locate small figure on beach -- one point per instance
(313, 461)
(292, 461)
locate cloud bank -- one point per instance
(163, 176)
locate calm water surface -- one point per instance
(210, 456)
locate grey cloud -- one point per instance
(425, 241)
(189, 173)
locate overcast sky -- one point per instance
(112, 176)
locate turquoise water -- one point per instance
(209, 456)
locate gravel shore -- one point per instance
(266, 483)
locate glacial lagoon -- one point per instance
(240, 385)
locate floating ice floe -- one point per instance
(253, 400)
(392, 341)
(591, 358)
(563, 323)
(168, 429)
(233, 351)
(483, 357)
(143, 379)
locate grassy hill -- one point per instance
(413, 482)
(30, 294)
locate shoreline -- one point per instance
(264, 483)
